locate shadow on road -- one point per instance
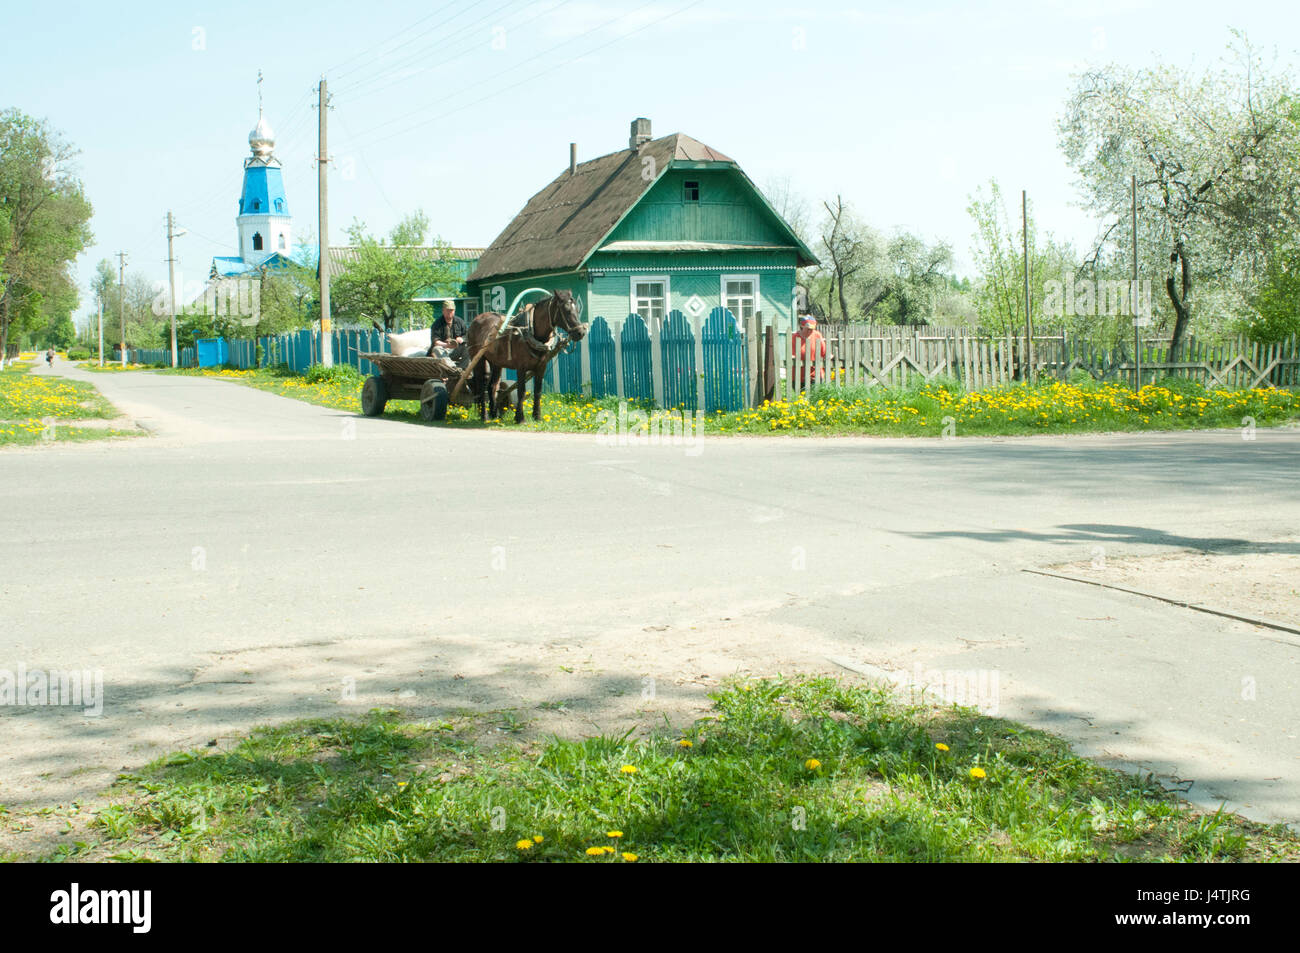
(1102, 533)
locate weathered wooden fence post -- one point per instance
(616, 331)
(656, 360)
(585, 384)
(697, 326)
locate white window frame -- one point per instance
(722, 293)
(668, 293)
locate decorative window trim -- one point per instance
(663, 279)
(742, 276)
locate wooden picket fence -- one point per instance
(866, 355)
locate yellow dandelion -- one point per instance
(812, 764)
(977, 773)
(537, 838)
(595, 851)
(613, 833)
(524, 844)
(941, 746)
(629, 857)
(685, 743)
(628, 769)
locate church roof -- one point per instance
(229, 266)
(263, 191)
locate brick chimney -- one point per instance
(640, 134)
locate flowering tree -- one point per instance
(1216, 162)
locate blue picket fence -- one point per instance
(726, 362)
(600, 351)
(185, 356)
(722, 349)
(677, 350)
(638, 382)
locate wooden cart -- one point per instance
(430, 380)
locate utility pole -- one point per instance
(121, 303)
(1133, 297)
(100, 298)
(322, 169)
(171, 279)
(1029, 327)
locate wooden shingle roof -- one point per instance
(565, 221)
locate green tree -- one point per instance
(43, 224)
(1277, 302)
(144, 327)
(385, 277)
(998, 252)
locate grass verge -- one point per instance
(781, 770)
(936, 409)
(40, 408)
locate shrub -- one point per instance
(338, 374)
(78, 354)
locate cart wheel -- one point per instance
(374, 396)
(433, 400)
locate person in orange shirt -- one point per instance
(809, 344)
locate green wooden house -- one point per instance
(664, 225)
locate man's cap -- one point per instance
(807, 319)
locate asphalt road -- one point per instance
(260, 558)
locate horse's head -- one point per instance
(566, 311)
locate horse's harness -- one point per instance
(522, 329)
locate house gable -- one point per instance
(713, 204)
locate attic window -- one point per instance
(690, 191)
(279, 205)
(257, 203)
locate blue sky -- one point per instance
(465, 109)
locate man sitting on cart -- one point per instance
(447, 336)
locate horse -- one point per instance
(525, 345)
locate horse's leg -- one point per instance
(519, 397)
(494, 379)
(537, 393)
(480, 380)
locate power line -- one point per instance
(442, 42)
(549, 69)
(388, 39)
(366, 163)
(459, 56)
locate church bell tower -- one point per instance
(264, 222)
